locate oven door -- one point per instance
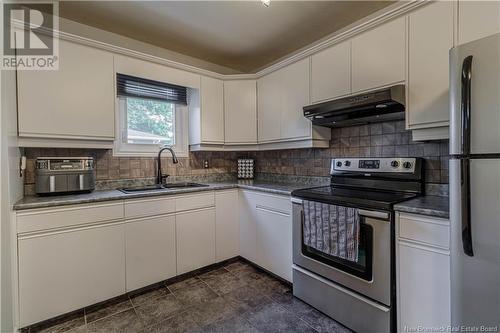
(371, 274)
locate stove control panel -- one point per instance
(374, 165)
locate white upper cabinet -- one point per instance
(430, 37)
(378, 56)
(477, 19)
(295, 97)
(212, 110)
(331, 72)
(240, 109)
(74, 102)
(281, 97)
(270, 102)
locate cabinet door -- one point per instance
(65, 271)
(331, 72)
(270, 103)
(248, 225)
(195, 232)
(430, 39)
(274, 241)
(424, 287)
(227, 225)
(477, 19)
(150, 248)
(240, 107)
(378, 56)
(212, 110)
(75, 101)
(295, 82)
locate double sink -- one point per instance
(160, 187)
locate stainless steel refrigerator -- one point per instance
(475, 182)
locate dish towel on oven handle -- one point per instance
(331, 229)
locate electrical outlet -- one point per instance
(205, 164)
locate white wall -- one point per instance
(11, 186)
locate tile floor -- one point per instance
(235, 298)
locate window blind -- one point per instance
(131, 86)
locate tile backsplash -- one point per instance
(374, 140)
(111, 169)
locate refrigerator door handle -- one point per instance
(466, 104)
(466, 206)
(465, 162)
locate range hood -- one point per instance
(376, 106)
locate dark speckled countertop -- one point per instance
(427, 205)
(32, 202)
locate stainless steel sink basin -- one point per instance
(157, 187)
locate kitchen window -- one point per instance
(149, 114)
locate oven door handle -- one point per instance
(374, 214)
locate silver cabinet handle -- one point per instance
(52, 183)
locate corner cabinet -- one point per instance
(281, 123)
(423, 272)
(75, 102)
(430, 38)
(240, 110)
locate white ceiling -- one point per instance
(243, 35)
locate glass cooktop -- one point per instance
(353, 197)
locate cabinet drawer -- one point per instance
(195, 201)
(69, 216)
(433, 231)
(149, 207)
(274, 203)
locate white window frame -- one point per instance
(122, 148)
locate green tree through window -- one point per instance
(150, 121)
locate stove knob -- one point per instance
(394, 164)
(339, 164)
(407, 165)
(347, 163)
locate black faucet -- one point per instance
(159, 176)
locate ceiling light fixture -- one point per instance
(266, 2)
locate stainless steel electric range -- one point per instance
(359, 294)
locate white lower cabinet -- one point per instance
(75, 256)
(248, 227)
(66, 270)
(227, 226)
(150, 251)
(274, 241)
(266, 231)
(195, 234)
(423, 270)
